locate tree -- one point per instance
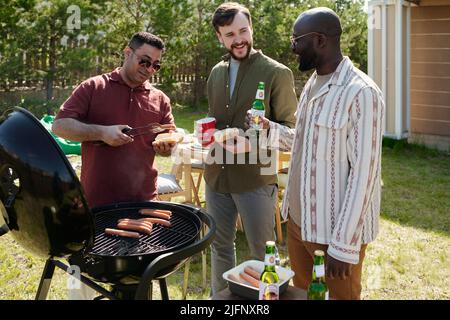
(69, 40)
(44, 37)
(11, 50)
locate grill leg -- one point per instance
(204, 253)
(46, 279)
(163, 288)
(150, 291)
(186, 278)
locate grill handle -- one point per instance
(4, 230)
(171, 258)
(3, 219)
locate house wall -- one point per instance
(404, 88)
(430, 70)
(389, 87)
(424, 3)
(389, 98)
(424, 113)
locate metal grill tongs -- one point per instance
(139, 131)
(150, 128)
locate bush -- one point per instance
(37, 107)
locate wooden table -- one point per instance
(291, 293)
(187, 155)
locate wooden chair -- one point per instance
(197, 167)
(169, 184)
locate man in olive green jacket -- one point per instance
(234, 187)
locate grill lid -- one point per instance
(42, 201)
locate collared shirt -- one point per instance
(125, 173)
(295, 176)
(340, 161)
(280, 104)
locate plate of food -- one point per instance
(243, 280)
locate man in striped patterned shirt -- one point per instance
(333, 191)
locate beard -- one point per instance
(233, 46)
(307, 61)
(306, 64)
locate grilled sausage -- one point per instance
(157, 213)
(143, 228)
(232, 277)
(252, 281)
(236, 279)
(158, 221)
(252, 272)
(137, 222)
(121, 233)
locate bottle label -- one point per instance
(269, 260)
(256, 115)
(320, 270)
(260, 94)
(269, 291)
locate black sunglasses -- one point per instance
(147, 63)
(294, 40)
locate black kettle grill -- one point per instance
(43, 206)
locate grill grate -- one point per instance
(183, 229)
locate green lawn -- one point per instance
(409, 260)
(185, 118)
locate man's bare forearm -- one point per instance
(75, 130)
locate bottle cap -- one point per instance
(319, 253)
(270, 243)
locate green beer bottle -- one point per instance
(318, 289)
(268, 283)
(258, 107)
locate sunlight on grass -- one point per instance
(413, 264)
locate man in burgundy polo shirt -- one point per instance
(99, 109)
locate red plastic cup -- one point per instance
(205, 129)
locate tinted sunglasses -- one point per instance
(147, 63)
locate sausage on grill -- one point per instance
(156, 220)
(143, 228)
(137, 222)
(157, 213)
(122, 233)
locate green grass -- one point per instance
(185, 117)
(409, 259)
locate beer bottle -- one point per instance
(258, 108)
(268, 283)
(318, 289)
